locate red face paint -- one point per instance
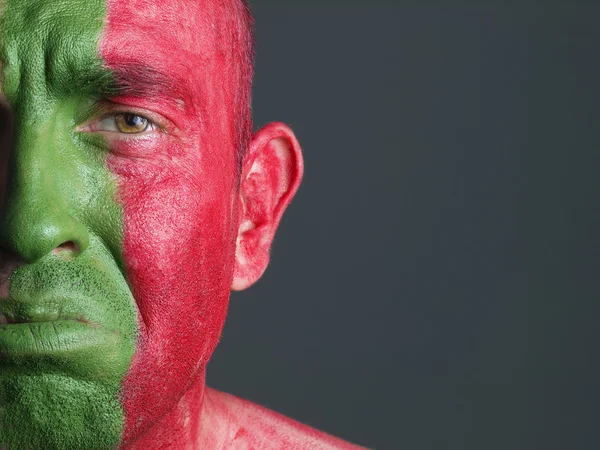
(178, 189)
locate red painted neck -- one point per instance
(180, 427)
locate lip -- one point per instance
(54, 338)
(12, 319)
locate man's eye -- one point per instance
(127, 123)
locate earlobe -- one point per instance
(271, 174)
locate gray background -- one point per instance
(434, 285)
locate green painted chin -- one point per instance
(50, 411)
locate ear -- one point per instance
(271, 174)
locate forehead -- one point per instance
(45, 18)
(176, 37)
(180, 33)
(185, 24)
(44, 39)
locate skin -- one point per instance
(127, 217)
(57, 191)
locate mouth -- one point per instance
(13, 319)
(49, 335)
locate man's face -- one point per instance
(119, 213)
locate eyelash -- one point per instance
(100, 125)
(150, 125)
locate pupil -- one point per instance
(133, 121)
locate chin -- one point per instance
(55, 411)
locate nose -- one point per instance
(35, 218)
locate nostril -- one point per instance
(9, 262)
(68, 246)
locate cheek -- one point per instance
(178, 243)
(179, 246)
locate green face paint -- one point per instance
(72, 318)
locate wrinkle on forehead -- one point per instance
(158, 34)
(198, 28)
(46, 46)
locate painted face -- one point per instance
(119, 213)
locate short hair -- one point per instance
(244, 50)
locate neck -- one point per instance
(179, 428)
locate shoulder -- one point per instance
(245, 425)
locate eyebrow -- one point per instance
(131, 78)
